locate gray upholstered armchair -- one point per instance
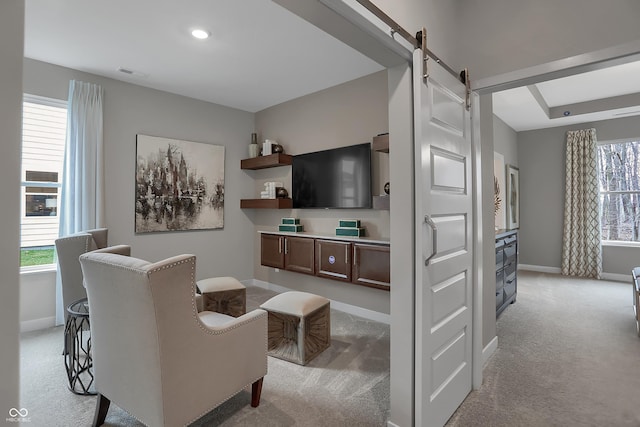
(154, 354)
(68, 249)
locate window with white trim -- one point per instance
(44, 124)
(619, 179)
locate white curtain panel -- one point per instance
(82, 194)
(581, 245)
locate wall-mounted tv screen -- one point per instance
(336, 178)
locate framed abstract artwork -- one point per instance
(179, 185)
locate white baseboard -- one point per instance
(35, 324)
(617, 277)
(489, 349)
(341, 306)
(539, 268)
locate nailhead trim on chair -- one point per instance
(199, 322)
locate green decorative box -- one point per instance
(350, 231)
(290, 221)
(353, 223)
(291, 227)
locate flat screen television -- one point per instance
(337, 178)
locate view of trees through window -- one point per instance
(619, 179)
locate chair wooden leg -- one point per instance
(256, 389)
(102, 407)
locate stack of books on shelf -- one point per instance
(350, 227)
(270, 190)
(290, 224)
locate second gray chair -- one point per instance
(68, 249)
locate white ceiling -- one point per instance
(259, 54)
(596, 95)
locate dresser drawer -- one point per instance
(510, 288)
(510, 250)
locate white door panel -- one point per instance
(443, 244)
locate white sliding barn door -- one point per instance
(444, 232)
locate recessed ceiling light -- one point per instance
(200, 34)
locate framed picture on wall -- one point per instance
(179, 185)
(513, 197)
(499, 190)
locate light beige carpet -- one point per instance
(346, 385)
(568, 355)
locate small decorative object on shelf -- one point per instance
(281, 193)
(267, 146)
(290, 224)
(270, 190)
(277, 148)
(349, 223)
(350, 227)
(254, 149)
(386, 188)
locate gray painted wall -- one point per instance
(11, 51)
(505, 141)
(347, 114)
(498, 36)
(131, 109)
(542, 163)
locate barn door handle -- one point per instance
(434, 239)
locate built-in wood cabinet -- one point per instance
(371, 265)
(333, 259)
(272, 250)
(506, 269)
(366, 264)
(289, 253)
(299, 255)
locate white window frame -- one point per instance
(619, 243)
(35, 99)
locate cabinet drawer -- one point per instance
(510, 288)
(499, 280)
(499, 258)
(510, 269)
(299, 255)
(509, 240)
(510, 250)
(499, 299)
(333, 260)
(272, 251)
(371, 266)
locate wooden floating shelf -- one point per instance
(266, 204)
(263, 162)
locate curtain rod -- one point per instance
(396, 28)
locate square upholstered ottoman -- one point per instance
(224, 295)
(299, 326)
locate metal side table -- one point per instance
(77, 359)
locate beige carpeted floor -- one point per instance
(346, 385)
(568, 355)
